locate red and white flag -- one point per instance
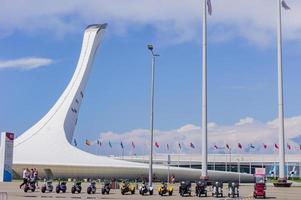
(157, 144)
(276, 146)
(284, 5)
(209, 5)
(192, 145)
(88, 143)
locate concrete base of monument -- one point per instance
(282, 183)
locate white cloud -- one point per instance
(244, 121)
(188, 127)
(25, 63)
(248, 132)
(177, 21)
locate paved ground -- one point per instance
(14, 193)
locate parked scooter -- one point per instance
(47, 186)
(106, 188)
(76, 187)
(91, 188)
(201, 188)
(165, 189)
(61, 187)
(260, 186)
(30, 185)
(217, 189)
(127, 187)
(144, 189)
(185, 188)
(233, 189)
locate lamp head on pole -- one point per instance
(150, 47)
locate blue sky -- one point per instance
(242, 67)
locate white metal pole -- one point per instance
(168, 170)
(230, 160)
(150, 175)
(204, 95)
(226, 164)
(300, 170)
(280, 98)
(214, 161)
(250, 167)
(262, 160)
(239, 171)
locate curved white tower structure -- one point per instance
(47, 145)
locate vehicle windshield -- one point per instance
(260, 179)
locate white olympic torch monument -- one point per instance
(47, 145)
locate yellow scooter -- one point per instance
(165, 189)
(127, 187)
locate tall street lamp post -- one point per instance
(150, 174)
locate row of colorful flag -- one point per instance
(191, 145)
(251, 146)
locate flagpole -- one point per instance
(275, 167)
(204, 95)
(238, 169)
(280, 97)
(214, 161)
(262, 160)
(226, 164)
(230, 160)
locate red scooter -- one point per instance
(260, 186)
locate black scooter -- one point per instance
(201, 188)
(217, 189)
(61, 186)
(30, 185)
(233, 189)
(144, 189)
(47, 186)
(106, 188)
(92, 188)
(185, 188)
(76, 187)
